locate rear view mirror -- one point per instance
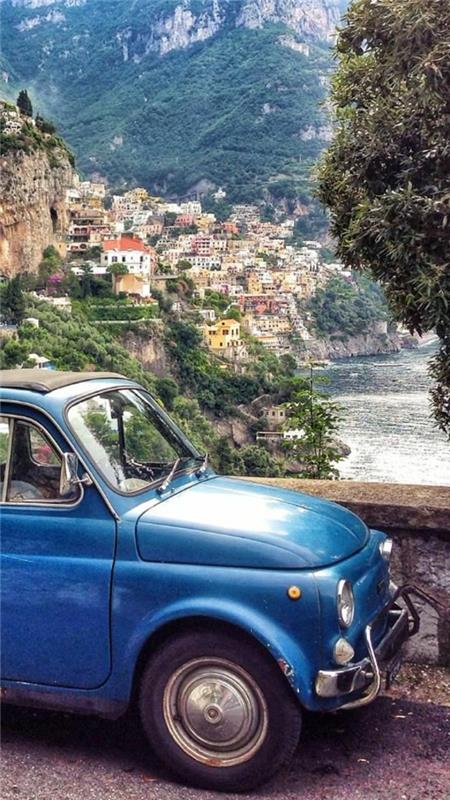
(69, 475)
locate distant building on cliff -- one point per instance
(132, 264)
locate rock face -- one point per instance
(175, 26)
(149, 350)
(316, 19)
(367, 344)
(192, 22)
(33, 210)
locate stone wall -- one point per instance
(418, 519)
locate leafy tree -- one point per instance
(13, 354)
(229, 458)
(385, 177)
(220, 208)
(233, 313)
(289, 364)
(216, 300)
(183, 265)
(187, 413)
(13, 302)
(24, 103)
(93, 253)
(314, 417)
(71, 285)
(50, 264)
(167, 389)
(86, 280)
(258, 462)
(45, 125)
(118, 269)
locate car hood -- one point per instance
(228, 522)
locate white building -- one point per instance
(139, 259)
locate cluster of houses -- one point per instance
(144, 241)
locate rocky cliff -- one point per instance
(178, 26)
(316, 19)
(367, 344)
(32, 207)
(161, 27)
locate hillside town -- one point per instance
(146, 243)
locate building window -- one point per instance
(114, 259)
(123, 259)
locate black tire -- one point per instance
(216, 697)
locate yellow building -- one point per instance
(223, 335)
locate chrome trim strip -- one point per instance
(8, 459)
(376, 684)
(64, 436)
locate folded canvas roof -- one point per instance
(46, 380)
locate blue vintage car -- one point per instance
(132, 573)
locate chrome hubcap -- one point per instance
(215, 712)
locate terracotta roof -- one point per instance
(125, 243)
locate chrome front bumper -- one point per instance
(366, 675)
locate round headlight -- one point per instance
(345, 603)
(386, 549)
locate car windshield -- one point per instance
(130, 439)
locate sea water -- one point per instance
(387, 418)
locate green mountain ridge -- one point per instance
(178, 96)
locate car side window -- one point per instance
(34, 469)
(41, 451)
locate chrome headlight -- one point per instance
(386, 549)
(345, 603)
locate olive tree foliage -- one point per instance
(386, 175)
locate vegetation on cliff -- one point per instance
(198, 391)
(386, 175)
(347, 309)
(239, 110)
(33, 135)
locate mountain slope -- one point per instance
(174, 94)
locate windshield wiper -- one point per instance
(203, 466)
(167, 480)
(140, 467)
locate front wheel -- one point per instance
(218, 711)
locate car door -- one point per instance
(57, 560)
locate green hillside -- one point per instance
(239, 109)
